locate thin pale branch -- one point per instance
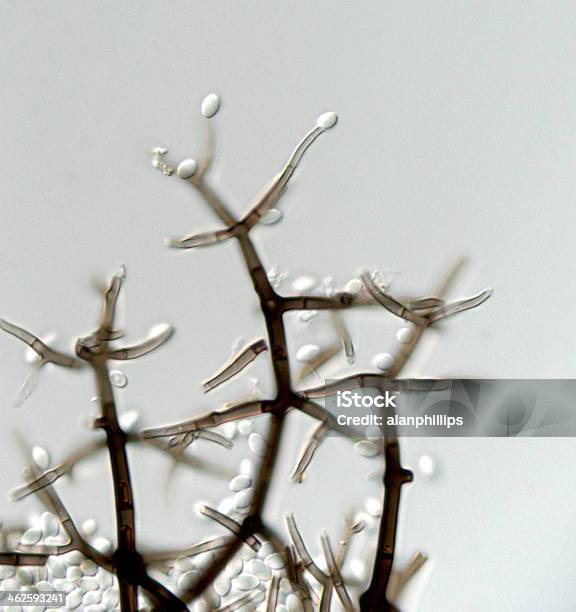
(253, 596)
(466, 304)
(180, 457)
(208, 153)
(214, 202)
(200, 240)
(97, 342)
(300, 548)
(51, 475)
(29, 384)
(234, 412)
(46, 354)
(110, 302)
(236, 364)
(295, 571)
(321, 414)
(394, 306)
(184, 440)
(350, 528)
(399, 580)
(433, 314)
(425, 303)
(309, 450)
(44, 480)
(168, 555)
(233, 526)
(54, 504)
(344, 336)
(272, 597)
(273, 191)
(139, 350)
(335, 574)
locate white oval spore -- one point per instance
(404, 335)
(41, 457)
(31, 536)
(353, 286)
(240, 482)
(118, 379)
(257, 444)
(272, 216)
(307, 352)
(304, 283)
(210, 105)
(186, 168)
(427, 465)
(383, 361)
(366, 448)
(327, 120)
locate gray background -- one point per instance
(456, 136)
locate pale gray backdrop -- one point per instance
(456, 136)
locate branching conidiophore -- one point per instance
(422, 313)
(290, 570)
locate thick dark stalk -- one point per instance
(127, 560)
(394, 477)
(271, 305)
(130, 569)
(374, 598)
